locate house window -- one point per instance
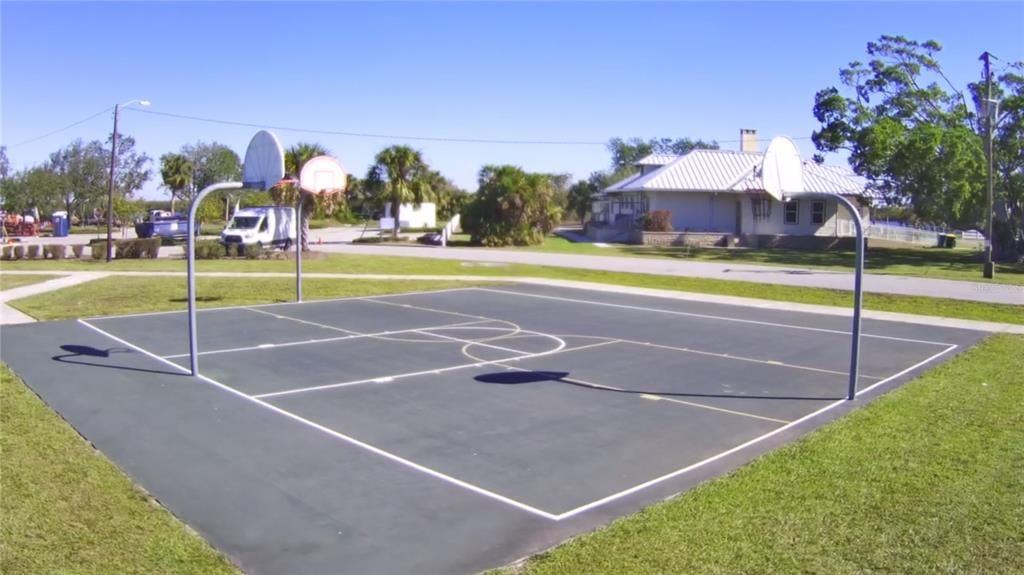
(793, 212)
(761, 208)
(818, 213)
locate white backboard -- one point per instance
(782, 169)
(322, 174)
(264, 161)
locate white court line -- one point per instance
(706, 316)
(744, 358)
(302, 321)
(348, 439)
(427, 371)
(496, 496)
(243, 306)
(560, 345)
(753, 441)
(353, 335)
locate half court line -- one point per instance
(353, 335)
(388, 379)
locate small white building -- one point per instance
(412, 216)
(720, 193)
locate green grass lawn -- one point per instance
(927, 479)
(8, 281)
(956, 264)
(119, 295)
(408, 266)
(67, 509)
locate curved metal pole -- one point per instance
(190, 252)
(858, 276)
(298, 247)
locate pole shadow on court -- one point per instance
(86, 351)
(522, 377)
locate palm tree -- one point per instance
(294, 158)
(399, 175)
(176, 172)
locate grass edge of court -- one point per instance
(80, 489)
(631, 535)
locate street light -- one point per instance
(991, 108)
(113, 167)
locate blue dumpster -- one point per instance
(60, 225)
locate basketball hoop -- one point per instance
(322, 175)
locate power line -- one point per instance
(369, 135)
(68, 127)
(391, 136)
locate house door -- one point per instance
(739, 217)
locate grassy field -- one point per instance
(67, 509)
(928, 479)
(407, 266)
(8, 281)
(957, 264)
(114, 295)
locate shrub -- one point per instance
(511, 207)
(127, 249)
(77, 250)
(253, 252)
(56, 251)
(33, 251)
(7, 252)
(148, 247)
(209, 250)
(99, 250)
(658, 221)
(19, 252)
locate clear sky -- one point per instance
(509, 71)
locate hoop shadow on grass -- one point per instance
(521, 377)
(74, 351)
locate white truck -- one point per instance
(264, 226)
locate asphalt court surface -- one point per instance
(535, 412)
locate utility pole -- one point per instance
(110, 188)
(989, 271)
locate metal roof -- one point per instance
(738, 172)
(656, 160)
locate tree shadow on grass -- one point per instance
(77, 351)
(522, 377)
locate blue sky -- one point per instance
(519, 71)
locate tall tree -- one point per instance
(581, 197)
(295, 157)
(511, 207)
(84, 170)
(918, 139)
(625, 153)
(132, 166)
(212, 163)
(37, 187)
(5, 165)
(176, 172)
(399, 175)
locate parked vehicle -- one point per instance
(264, 226)
(163, 225)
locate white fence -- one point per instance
(912, 235)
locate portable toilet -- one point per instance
(61, 224)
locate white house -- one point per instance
(716, 197)
(411, 216)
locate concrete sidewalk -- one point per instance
(9, 315)
(800, 277)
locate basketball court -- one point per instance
(449, 431)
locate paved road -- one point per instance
(803, 277)
(338, 240)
